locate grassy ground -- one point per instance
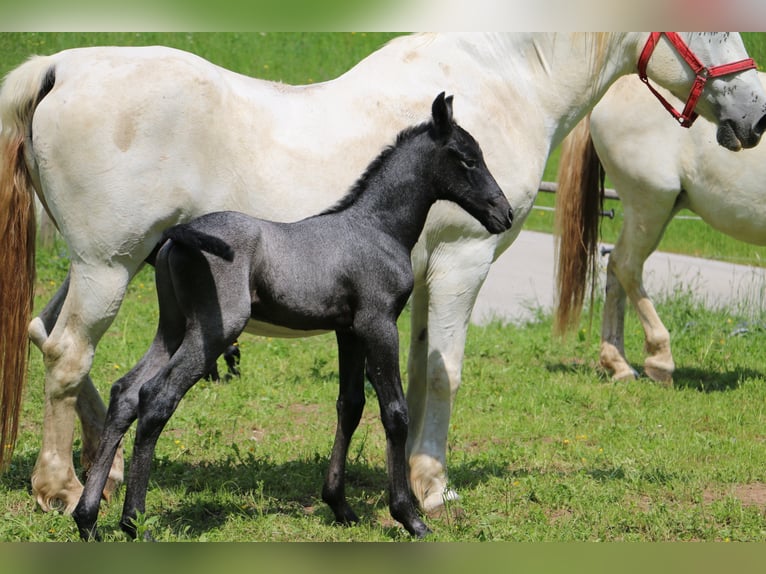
(542, 446)
(292, 57)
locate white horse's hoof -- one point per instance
(449, 495)
(434, 502)
(626, 376)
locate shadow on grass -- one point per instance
(709, 382)
(253, 487)
(683, 378)
(577, 367)
(205, 496)
(209, 493)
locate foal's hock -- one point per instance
(346, 270)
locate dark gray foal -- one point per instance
(346, 270)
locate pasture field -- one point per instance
(543, 446)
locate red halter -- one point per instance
(703, 73)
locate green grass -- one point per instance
(292, 57)
(543, 446)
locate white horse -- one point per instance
(657, 170)
(121, 143)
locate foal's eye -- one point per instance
(468, 162)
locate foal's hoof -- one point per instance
(418, 529)
(87, 535)
(340, 508)
(346, 516)
(86, 528)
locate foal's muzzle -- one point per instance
(501, 219)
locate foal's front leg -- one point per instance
(383, 372)
(349, 406)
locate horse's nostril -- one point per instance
(760, 127)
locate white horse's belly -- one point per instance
(270, 330)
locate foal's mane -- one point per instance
(361, 184)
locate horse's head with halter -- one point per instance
(702, 74)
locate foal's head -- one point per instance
(462, 176)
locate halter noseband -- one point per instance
(702, 72)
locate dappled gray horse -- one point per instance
(346, 270)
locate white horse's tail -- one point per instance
(579, 200)
(21, 91)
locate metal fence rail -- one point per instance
(609, 193)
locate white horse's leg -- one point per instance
(92, 301)
(90, 406)
(612, 357)
(455, 273)
(638, 239)
(417, 362)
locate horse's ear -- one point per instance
(441, 110)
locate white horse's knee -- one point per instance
(444, 376)
(67, 362)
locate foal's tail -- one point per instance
(21, 92)
(190, 237)
(579, 201)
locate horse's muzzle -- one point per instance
(500, 221)
(734, 136)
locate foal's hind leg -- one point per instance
(349, 406)
(202, 311)
(123, 409)
(158, 399)
(68, 354)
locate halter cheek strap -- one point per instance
(702, 73)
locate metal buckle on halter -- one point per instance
(702, 73)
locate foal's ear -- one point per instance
(441, 110)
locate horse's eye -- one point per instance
(468, 162)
